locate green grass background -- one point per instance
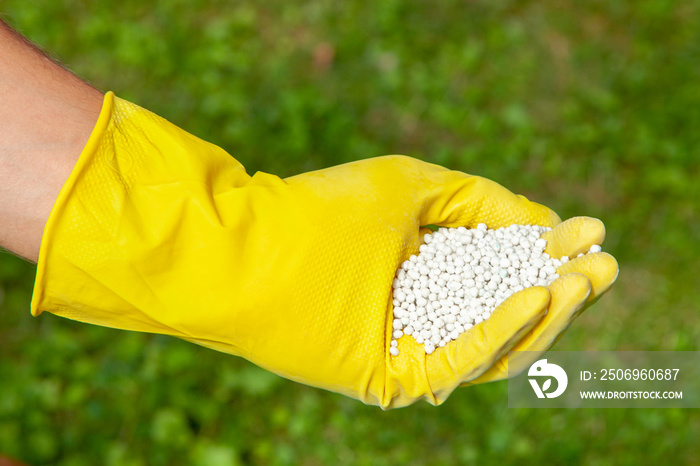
(592, 108)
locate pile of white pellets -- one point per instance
(461, 275)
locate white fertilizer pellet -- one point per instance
(461, 275)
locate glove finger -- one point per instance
(601, 269)
(464, 200)
(477, 349)
(574, 236)
(568, 296)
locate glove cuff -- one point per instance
(126, 196)
(93, 143)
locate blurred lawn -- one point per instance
(592, 108)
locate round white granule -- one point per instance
(460, 276)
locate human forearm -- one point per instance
(46, 116)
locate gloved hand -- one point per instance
(159, 231)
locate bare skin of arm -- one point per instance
(46, 117)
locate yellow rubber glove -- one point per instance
(159, 231)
